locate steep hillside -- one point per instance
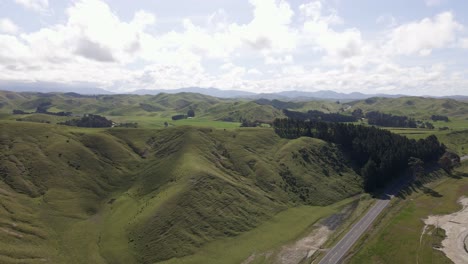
(418, 107)
(141, 196)
(234, 112)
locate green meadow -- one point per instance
(198, 190)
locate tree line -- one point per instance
(388, 120)
(316, 115)
(439, 118)
(379, 155)
(42, 109)
(89, 120)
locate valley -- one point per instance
(183, 191)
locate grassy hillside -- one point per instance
(136, 107)
(73, 195)
(417, 107)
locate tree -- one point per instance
(89, 120)
(178, 117)
(357, 113)
(417, 166)
(448, 161)
(191, 113)
(369, 172)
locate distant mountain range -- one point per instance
(215, 92)
(206, 91)
(45, 87)
(285, 95)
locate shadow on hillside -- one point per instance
(458, 175)
(432, 173)
(417, 187)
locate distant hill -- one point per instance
(285, 95)
(226, 109)
(295, 95)
(420, 107)
(162, 105)
(44, 87)
(206, 91)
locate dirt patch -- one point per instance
(456, 230)
(305, 247)
(252, 257)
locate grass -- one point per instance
(417, 107)
(284, 227)
(150, 122)
(396, 238)
(181, 194)
(145, 195)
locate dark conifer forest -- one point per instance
(380, 155)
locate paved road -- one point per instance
(335, 254)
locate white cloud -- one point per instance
(272, 60)
(255, 72)
(421, 37)
(386, 20)
(464, 43)
(276, 50)
(7, 26)
(434, 2)
(36, 5)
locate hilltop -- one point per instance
(420, 107)
(91, 194)
(176, 192)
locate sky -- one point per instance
(415, 47)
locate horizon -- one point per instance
(252, 46)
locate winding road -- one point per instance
(336, 254)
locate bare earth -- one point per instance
(456, 229)
(305, 247)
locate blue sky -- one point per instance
(415, 47)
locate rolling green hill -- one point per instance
(71, 195)
(138, 106)
(417, 107)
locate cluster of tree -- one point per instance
(20, 112)
(129, 125)
(89, 120)
(178, 117)
(37, 121)
(255, 123)
(315, 115)
(248, 123)
(379, 154)
(388, 120)
(190, 113)
(358, 113)
(42, 109)
(439, 118)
